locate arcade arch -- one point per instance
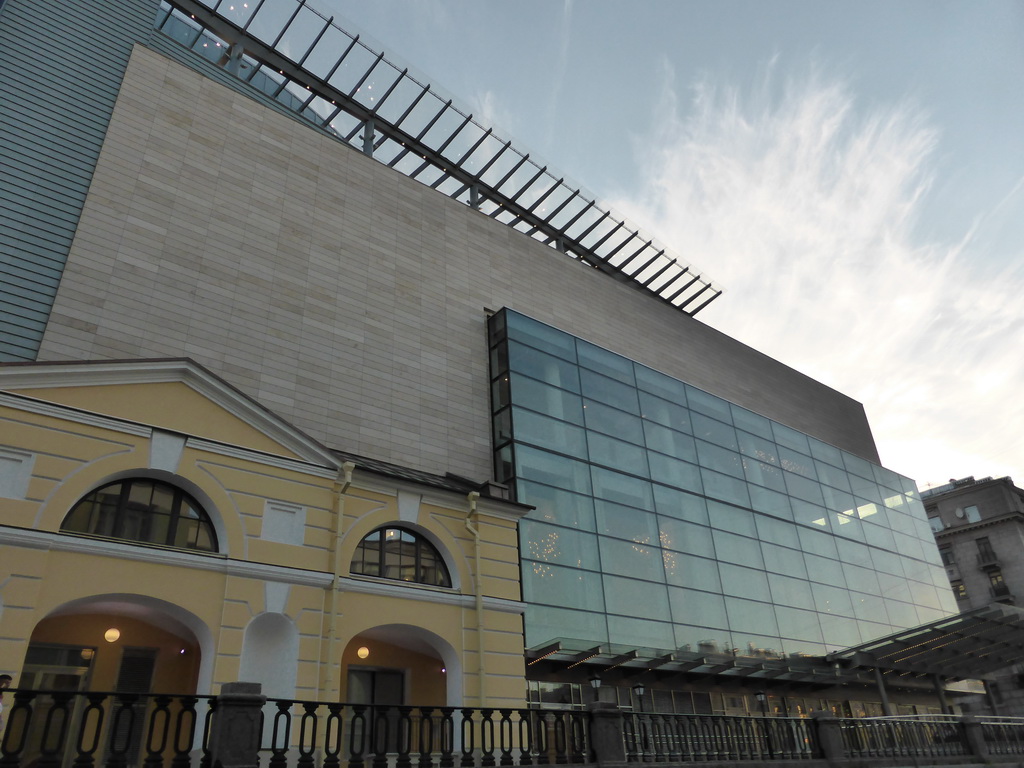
(401, 664)
(120, 641)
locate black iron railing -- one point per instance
(432, 737)
(50, 729)
(1003, 735)
(932, 736)
(676, 738)
(60, 729)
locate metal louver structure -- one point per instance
(306, 62)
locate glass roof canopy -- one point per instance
(305, 61)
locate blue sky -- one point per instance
(852, 173)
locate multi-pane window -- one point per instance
(972, 514)
(400, 554)
(148, 511)
(985, 551)
(959, 590)
(947, 555)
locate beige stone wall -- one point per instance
(343, 295)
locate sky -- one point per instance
(851, 172)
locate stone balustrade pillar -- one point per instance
(235, 730)
(606, 736)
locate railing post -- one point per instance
(235, 731)
(830, 737)
(607, 739)
(974, 735)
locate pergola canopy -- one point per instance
(970, 645)
(967, 646)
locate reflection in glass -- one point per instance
(690, 521)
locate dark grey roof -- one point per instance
(448, 482)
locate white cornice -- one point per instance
(215, 389)
(46, 408)
(269, 459)
(370, 480)
(125, 550)
(426, 594)
(76, 416)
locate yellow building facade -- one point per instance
(320, 575)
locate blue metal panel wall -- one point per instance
(61, 65)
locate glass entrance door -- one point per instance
(384, 690)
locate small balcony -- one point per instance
(1001, 592)
(987, 559)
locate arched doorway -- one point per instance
(131, 645)
(401, 664)
(125, 643)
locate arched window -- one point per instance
(397, 553)
(143, 510)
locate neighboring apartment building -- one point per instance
(245, 186)
(979, 529)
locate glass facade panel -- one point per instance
(543, 367)
(680, 474)
(623, 489)
(641, 560)
(669, 518)
(611, 421)
(601, 360)
(543, 398)
(751, 422)
(668, 441)
(633, 597)
(690, 605)
(548, 433)
(744, 582)
(609, 391)
(665, 412)
(787, 590)
(674, 502)
(734, 519)
(713, 431)
(555, 544)
(615, 453)
(649, 380)
(546, 467)
(624, 522)
(556, 505)
(680, 536)
(555, 585)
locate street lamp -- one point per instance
(595, 683)
(763, 701)
(638, 691)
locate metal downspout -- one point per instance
(478, 585)
(341, 486)
(882, 693)
(940, 692)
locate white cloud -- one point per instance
(804, 204)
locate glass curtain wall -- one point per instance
(668, 518)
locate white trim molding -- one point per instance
(424, 594)
(178, 370)
(126, 550)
